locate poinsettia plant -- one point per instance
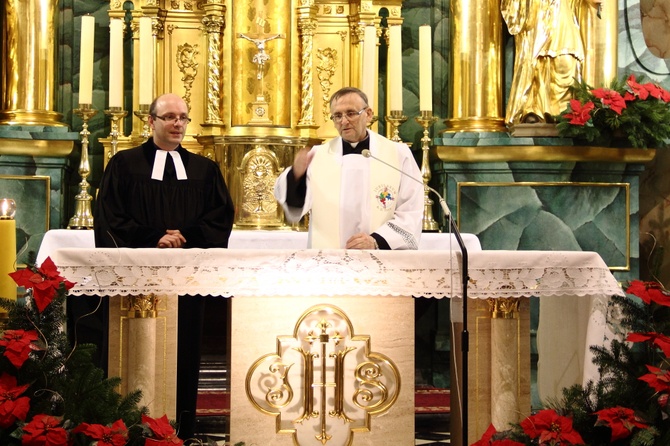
(51, 394)
(632, 109)
(628, 406)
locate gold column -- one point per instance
(214, 23)
(307, 25)
(475, 80)
(600, 36)
(28, 61)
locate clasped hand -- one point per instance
(172, 239)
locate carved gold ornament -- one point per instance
(324, 382)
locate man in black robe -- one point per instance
(159, 195)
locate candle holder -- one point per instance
(115, 113)
(396, 119)
(426, 119)
(143, 114)
(83, 217)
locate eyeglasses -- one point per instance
(173, 118)
(350, 115)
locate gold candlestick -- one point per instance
(396, 119)
(426, 119)
(115, 113)
(143, 114)
(83, 217)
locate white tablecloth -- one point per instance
(272, 272)
(246, 239)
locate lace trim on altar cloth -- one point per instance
(229, 272)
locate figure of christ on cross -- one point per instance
(261, 57)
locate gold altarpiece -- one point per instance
(257, 76)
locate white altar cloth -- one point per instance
(246, 239)
(278, 272)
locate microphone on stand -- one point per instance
(465, 336)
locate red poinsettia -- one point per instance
(635, 90)
(18, 345)
(44, 430)
(658, 92)
(580, 114)
(116, 435)
(658, 379)
(163, 432)
(551, 429)
(13, 406)
(44, 281)
(659, 340)
(487, 439)
(610, 99)
(621, 420)
(649, 292)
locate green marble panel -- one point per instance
(548, 206)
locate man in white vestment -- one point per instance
(355, 202)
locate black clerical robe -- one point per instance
(134, 211)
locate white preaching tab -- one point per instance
(159, 165)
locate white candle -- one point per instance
(425, 69)
(146, 56)
(86, 59)
(369, 75)
(116, 63)
(395, 68)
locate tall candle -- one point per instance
(369, 75)
(146, 57)
(7, 249)
(86, 60)
(116, 63)
(395, 68)
(425, 69)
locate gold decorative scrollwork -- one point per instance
(343, 381)
(258, 178)
(142, 307)
(325, 72)
(504, 307)
(188, 66)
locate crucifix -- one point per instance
(261, 58)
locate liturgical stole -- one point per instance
(326, 190)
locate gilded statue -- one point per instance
(549, 53)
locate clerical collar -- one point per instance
(159, 165)
(355, 148)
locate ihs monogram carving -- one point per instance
(323, 381)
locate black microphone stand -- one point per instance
(465, 335)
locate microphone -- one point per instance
(465, 335)
(443, 204)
